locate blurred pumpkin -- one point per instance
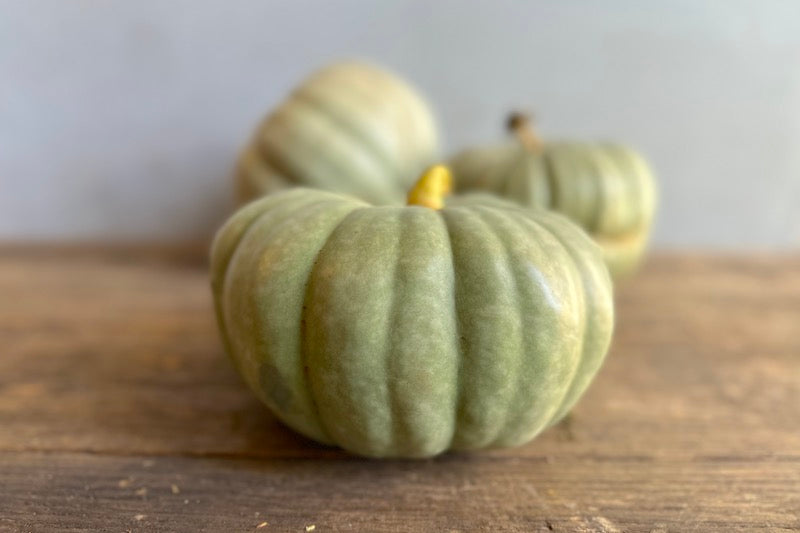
(405, 331)
(608, 189)
(350, 127)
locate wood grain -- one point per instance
(119, 410)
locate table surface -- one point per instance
(119, 411)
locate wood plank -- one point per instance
(113, 353)
(85, 492)
(110, 360)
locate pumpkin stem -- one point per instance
(521, 125)
(431, 188)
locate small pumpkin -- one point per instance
(350, 127)
(405, 331)
(608, 189)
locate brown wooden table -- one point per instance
(119, 411)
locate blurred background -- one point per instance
(122, 120)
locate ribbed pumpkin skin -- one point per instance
(607, 189)
(407, 331)
(351, 128)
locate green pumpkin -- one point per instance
(351, 128)
(607, 189)
(405, 331)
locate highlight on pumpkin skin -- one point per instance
(431, 188)
(521, 125)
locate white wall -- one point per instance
(121, 119)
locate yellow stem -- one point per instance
(431, 188)
(521, 125)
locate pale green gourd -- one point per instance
(607, 189)
(406, 331)
(351, 128)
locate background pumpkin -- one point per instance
(406, 331)
(608, 189)
(350, 127)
